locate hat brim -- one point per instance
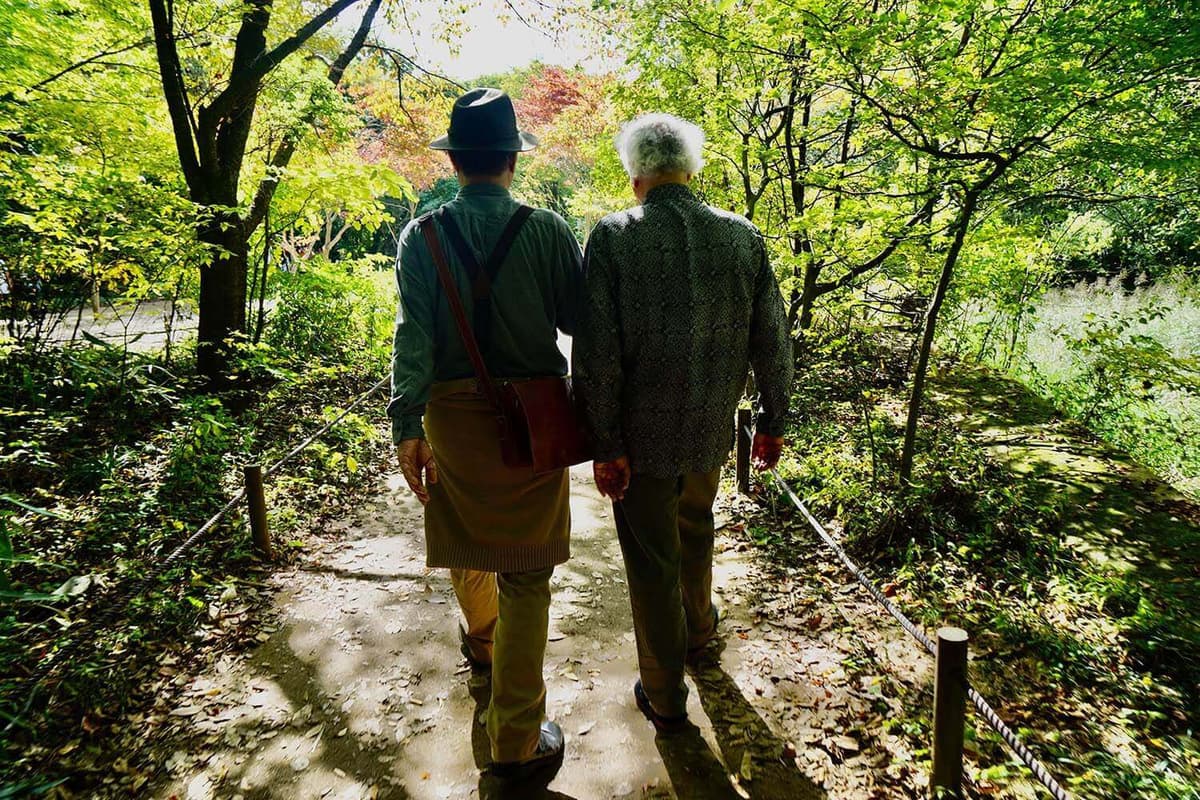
(520, 143)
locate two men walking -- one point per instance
(672, 304)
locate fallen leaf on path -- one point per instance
(200, 788)
(747, 769)
(847, 743)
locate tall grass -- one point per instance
(1125, 362)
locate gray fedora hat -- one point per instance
(484, 119)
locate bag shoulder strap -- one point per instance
(486, 384)
(483, 277)
(459, 243)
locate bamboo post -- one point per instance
(258, 510)
(743, 450)
(949, 707)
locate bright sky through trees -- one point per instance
(489, 39)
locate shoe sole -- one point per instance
(528, 770)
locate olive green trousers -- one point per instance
(665, 526)
(507, 620)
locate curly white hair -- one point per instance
(657, 144)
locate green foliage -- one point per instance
(89, 188)
(1122, 361)
(195, 466)
(133, 461)
(334, 312)
(965, 504)
(993, 545)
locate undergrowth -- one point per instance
(110, 459)
(1085, 655)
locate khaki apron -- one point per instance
(481, 514)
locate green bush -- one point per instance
(335, 312)
(201, 443)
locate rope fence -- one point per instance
(984, 708)
(120, 599)
(952, 765)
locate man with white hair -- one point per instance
(680, 302)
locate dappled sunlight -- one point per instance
(361, 691)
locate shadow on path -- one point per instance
(752, 751)
(694, 770)
(359, 692)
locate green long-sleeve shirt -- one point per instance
(680, 303)
(535, 295)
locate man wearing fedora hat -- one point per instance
(500, 530)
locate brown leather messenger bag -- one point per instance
(538, 419)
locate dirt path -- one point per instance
(357, 688)
(359, 691)
(141, 327)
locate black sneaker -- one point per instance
(665, 725)
(546, 759)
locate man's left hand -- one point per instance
(766, 451)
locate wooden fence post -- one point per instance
(258, 511)
(949, 707)
(743, 450)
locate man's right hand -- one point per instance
(418, 466)
(612, 477)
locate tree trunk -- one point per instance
(929, 328)
(211, 143)
(809, 295)
(222, 294)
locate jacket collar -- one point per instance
(482, 190)
(667, 192)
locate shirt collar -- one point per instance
(482, 190)
(665, 192)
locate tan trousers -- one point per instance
(507, 620)
(665, 526)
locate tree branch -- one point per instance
(90, 60)
(243, 82)
(884, 254)
(279, 162)
(394, 54)
(175, 93)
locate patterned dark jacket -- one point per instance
(680, 302)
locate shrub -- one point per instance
(335, 312)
